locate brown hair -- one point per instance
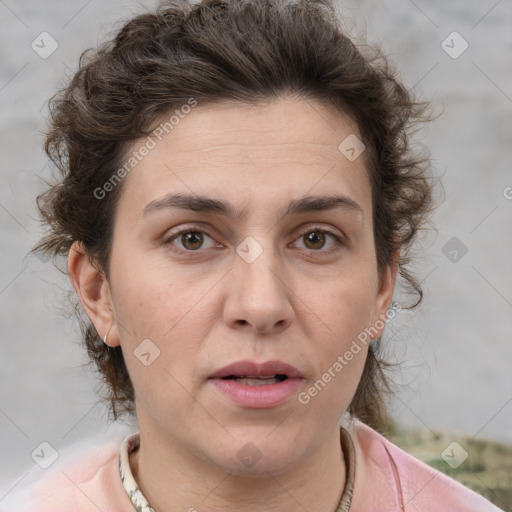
(227, 50)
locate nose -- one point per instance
(259, 298)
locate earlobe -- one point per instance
(93, 290)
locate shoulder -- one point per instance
(83, 479)
(401, 480)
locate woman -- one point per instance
(238, 196)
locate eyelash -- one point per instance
(339, 240)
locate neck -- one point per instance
(173, 479)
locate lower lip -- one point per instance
(258, 397)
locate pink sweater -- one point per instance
(386, 479)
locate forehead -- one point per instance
(283, 148)
(235, 126)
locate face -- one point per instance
(211, 299)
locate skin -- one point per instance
(302, 302)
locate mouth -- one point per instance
(257, 373)
(257, 381)
(257, 385)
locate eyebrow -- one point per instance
(204, 204)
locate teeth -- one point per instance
(248, 381)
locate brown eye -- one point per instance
(317, 239)
(314, 240)
(192, 240)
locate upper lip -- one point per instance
(249, 368)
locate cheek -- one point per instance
(340, 355)
(345, 312)
(149, 298)
(162, 315)
(347, 306)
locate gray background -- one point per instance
(456, 349)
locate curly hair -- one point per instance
(247, 51)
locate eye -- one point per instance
(190, 239)
(316, 238)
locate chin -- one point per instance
(257, 465)
(255, 454)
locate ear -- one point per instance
(387, 280)
(93, 290)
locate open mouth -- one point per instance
(257, 381)
(256, 385)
